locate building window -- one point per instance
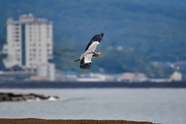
(48, 28)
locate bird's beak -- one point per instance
(101, 52)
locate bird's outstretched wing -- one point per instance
(94, 42)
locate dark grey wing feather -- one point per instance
(97, 37)
(84, 65)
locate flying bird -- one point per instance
(86, 57)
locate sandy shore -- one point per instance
(44, 121)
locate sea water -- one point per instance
(166, 106)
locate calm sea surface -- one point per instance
(166, 106)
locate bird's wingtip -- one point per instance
(102, 34)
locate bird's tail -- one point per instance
(76, 60)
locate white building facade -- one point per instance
(29, 41)
(46, 70)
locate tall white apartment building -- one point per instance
(29, 41)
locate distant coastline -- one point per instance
(34, 84)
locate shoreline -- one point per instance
(58, 121)
(34, 84)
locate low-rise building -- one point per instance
(132, 77)
(46, 70)
(176, 76)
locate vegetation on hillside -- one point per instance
(145, 30)
(112, 61)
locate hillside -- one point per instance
(155, 30)
(149, 27)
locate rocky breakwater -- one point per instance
(24, 97)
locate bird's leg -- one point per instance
(76, 60)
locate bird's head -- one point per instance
(99, 52)
(96, 54)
